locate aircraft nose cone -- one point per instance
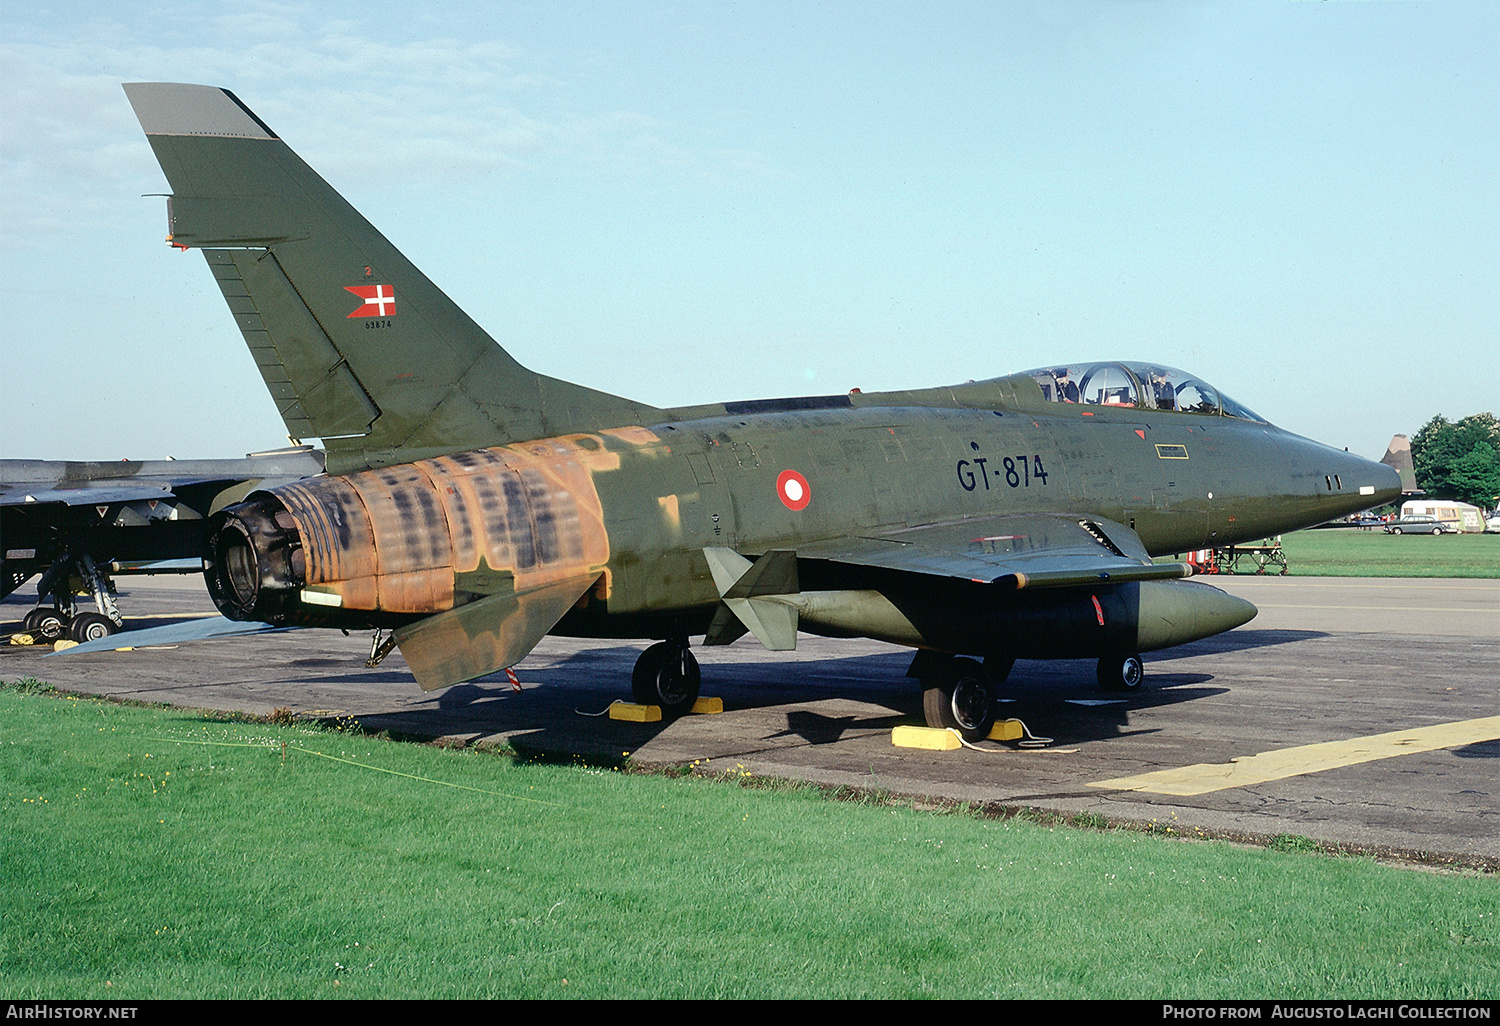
(1389, 487)
(1375, 483)
(1344, 483)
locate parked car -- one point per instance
(1492, 525)
(1418, 525)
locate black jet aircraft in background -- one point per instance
(473, 506)
(77, 524)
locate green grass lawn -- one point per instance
(1342, 552)
(153, 853)
(1337, 552)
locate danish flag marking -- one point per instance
(379, 300)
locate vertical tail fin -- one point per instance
(356, 345)
(1398, 458)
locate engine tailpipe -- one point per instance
(255, 567)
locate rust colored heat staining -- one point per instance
(475, 494)
(338, 543)
(394, 539)
(413, 543)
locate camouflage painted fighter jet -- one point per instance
(473, 506)
(77, 524)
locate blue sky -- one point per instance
(686, 202)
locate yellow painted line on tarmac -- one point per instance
(1292, 762)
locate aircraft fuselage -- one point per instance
(630, 512)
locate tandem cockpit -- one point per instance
(1142, 386)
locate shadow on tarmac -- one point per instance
(556, 713)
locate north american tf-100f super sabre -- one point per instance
(472, 506)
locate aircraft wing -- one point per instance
(54, 512)
(28, 482)
(1019, 551)
(844, 582)
(83, 495)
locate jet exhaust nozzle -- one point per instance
(255, 567)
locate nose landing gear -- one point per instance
(1121, 673)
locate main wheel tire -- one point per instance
(667, 676)
(1121, 673)
(1395, 530)
(90, 627)
(47, 624)
(962, 698)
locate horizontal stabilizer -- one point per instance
(486, 635)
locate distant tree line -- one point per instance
(1459, 460)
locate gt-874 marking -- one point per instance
(1020, 472)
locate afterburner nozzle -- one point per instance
(255, 567)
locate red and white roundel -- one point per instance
(793, 490)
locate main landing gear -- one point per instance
(45, 624)
(64, 580)
(960, 694)
(667, 675)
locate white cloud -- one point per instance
(432, 107)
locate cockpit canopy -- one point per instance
(1144, 386)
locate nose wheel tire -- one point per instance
(666, 675)
(1121, 673)
(961, 698)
